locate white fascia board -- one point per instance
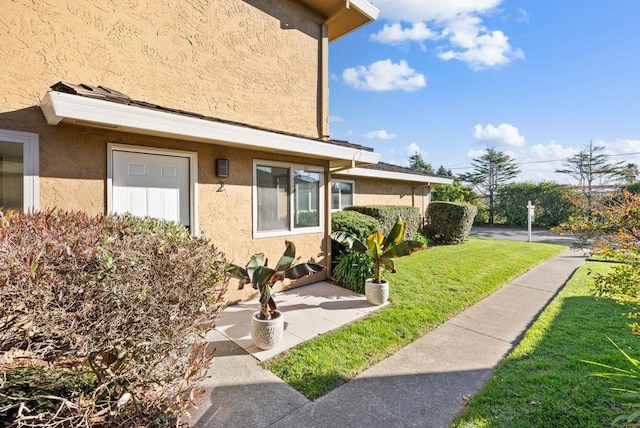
(59, 106)
(391, 175)
(366, 8)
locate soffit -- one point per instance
(344, 16)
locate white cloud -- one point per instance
(395, 34)
(335, 119)
(384, 76)
(503, 133)
(540, 162)
(471, 42)
(523, 16)
(463, 35)
(475, 153)
(414, 148)
(380, 134)
(421, 10)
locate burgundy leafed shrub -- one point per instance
(114, 309)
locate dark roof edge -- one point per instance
(383, 166)
(107, 94)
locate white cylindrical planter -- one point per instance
(377, 294)
(267, 333)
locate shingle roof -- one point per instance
(107, 94)
(383, 166)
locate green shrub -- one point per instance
(387, 215)
(482, 215)
(354, 222)
(633, 187)
(449, 222)
(127, 299)
(552, 202)
(352, 270)
(623, 280)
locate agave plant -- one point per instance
(263, 278)
(382, 250)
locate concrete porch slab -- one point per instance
(308, 311)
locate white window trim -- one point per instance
(292, 230)
(353, 195)
(31, 164)
(193, 176)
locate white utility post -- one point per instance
(530, 216)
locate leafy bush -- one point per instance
(449, 222)
(482, 215)
(387, 215)
(633, 187)
(352, 270)
(354, 222)
(623, 280)
(120, 304)
(455, 192)
(552, 201)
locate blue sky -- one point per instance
(537, 79)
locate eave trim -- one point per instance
(61, 107)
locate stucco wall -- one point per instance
(372, 191)
(251, 61)
(73, 174)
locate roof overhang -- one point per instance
(59, 107)
(344, 16)
(417, 179)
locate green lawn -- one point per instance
(543, 382)
(430, 287)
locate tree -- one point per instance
(455, 192)
(417, 163)
(552, 201)
(490, 171)
(591, 169)
(630, 173)
(443, 172)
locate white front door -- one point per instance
(154, 185)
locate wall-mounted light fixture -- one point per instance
(222, 168)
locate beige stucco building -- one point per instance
(212, 113)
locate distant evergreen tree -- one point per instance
(490, 171)
(416, 162)
(443, 172)
(592, 170)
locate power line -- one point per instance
(549, 160)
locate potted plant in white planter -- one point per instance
(267, 324)
(382, 250)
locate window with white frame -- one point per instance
(341, 194)
(287, 198)
(19, 170)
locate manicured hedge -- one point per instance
(354, 222)
(387, 215)
(449, 222)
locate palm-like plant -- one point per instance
(263, 278)
(382, 250)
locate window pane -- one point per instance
(346, 195)
(335, 195)
(11, 175)
(306, 198)
(273, 197)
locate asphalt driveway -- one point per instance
(520, 234)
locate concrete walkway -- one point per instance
(422, 385)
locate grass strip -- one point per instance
(543, 381)
(430, 287)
